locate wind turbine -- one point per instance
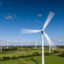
(21, 44)
(15, 43)
(7, 43)
(35, 45)
(27, 31)
(1, 46)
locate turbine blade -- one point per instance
(25, 31)
(50, 16)
(51, 44)
(48, 39)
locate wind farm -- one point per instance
(31, 32)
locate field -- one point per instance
(30, 56)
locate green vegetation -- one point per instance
(35, 60)
(31, 56)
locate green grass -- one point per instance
(18, 53)
(34, 60)
(12, 62)
(52, 59)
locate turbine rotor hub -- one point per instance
(42, 32)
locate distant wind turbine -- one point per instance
(15, 43)
(35, 44)
(21, 44)
(25, 31)
(7, 43)
(1, 46)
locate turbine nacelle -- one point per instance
(42, 32)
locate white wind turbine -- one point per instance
(21, 43)
(7, 43)
(25, 31)
(1, 46)
(35, 44)
(15, 43)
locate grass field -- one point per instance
(51, 59)
(36, 60)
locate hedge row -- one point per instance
(34, 54)
(14, 57)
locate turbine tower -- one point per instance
(27, 31)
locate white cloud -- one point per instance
(39, 15)
(8, 17)
(61, 40)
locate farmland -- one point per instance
(31, 56)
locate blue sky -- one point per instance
(18, 14)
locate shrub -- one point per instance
(55, 51)
(6, 58)
(62, 55)
(36, 54)
(1, 59)
(63, 52)
(21, 56)
(47, 54)
(14, 57)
